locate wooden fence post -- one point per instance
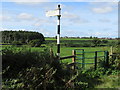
(51, 53)
(83, 59)
(111, 50)
(73, 59)
(74, 66)
(107, 58)
(95, 60)
(104, 55)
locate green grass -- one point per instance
(67, 51)
(74, 39)
(111, 81)
(67, 39)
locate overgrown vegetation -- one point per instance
(27, 69)
(23, 68)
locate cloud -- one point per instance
(40, 22)
(60, 0)
(25, 19)
(2, 29)
(79, 21)
(102, 10)
(69, 20)
(5, 18)
(44, 21)
(25, 16)
(95, 0)
(104, 3)
(9, 29)
(102, 34)
(27, 1)
(73, 33)
(73, 18)
(46, 32)
(69, 15)
(105, 20)
(103, 7)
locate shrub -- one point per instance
(35, 43)
(113, 43)
(96, 41)
(23, 68)
(83, 44)
(104, 41)
(114, 61)
(17, 59)
(16, 43)
(117, 51)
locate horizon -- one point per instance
(65, 36)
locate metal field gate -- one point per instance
(89, 59)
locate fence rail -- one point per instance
(66, 57)
(81, 56)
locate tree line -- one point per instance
(21, 36)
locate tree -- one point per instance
(104, 41)
(91, 37)
(20, 36)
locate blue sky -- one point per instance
(97, 19)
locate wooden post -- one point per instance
(107, 58)
(74, 66)
(51, 53)
(104, 56)
(95, 60)
(83, 59)
(111, 50)
(73, 59)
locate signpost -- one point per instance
(57, 13)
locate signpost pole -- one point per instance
(58, 33)
(57, 13)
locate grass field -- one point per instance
(67, 51)
(107, 81)
(67, 39)
(74, 39)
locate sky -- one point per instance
(78, 19)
